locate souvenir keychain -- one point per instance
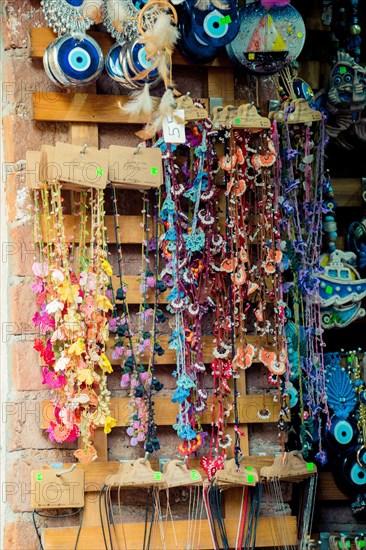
(75, 58)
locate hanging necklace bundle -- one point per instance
(247, 269)
(73, 59)
(228, 477)
(72, 318)
(188, 216)
(300, 179)
(140, 381)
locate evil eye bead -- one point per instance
(358, 474)
(77, 62)
(75, 3)
(216, 25)
(342, 432)
(47, 68)
(136, 55)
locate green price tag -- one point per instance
(39, 477)
(237, 120)
(310, 466)
(157, 476)
(195, 475)
(99, 171)
(361, 544)
(154, 171)
(250, 478)
(225, 20)
(249, 468)
(342, 70)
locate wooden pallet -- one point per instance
(84, 112)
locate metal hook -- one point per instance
(137, 150)
(146, 457)
(71, 469)
(83, 149)
(187, 95)
(183, 462)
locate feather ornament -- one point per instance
(166, 107)
(340, 392)
(205, 5)
(162, 37)
(141, 103)
(93, 9)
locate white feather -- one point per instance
(161, 37)
(141, 102)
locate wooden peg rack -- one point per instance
(84, 112)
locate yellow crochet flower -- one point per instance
(77, 348)
(109, 424)
(106, 365)
(86, 375)
(103, 303)
(106, 266)
(68, 292)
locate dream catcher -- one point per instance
(269, 39)
(74, 59)
(206, 27)
(72, 318)
(146, 34)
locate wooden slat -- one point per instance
(41, 37)
(80, 107)
(169, 357)
(268, 536)
(166, 411)
(327, 488)
(131, 231)
(347, 192)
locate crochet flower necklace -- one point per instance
(72, 318)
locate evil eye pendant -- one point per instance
(342, 435)
(75, 62)
(137, 61)
(114, 67)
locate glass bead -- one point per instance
(355, 30)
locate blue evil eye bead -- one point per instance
(137, 60)
(303, 90)
(75, 3)
(190, 47)
(114, 68)
(216, 25)
(78, 62)
(342, 435)
(46, 66)
(358, 474)
(139, 4)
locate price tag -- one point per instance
(173, 131)
(195, 475)
(132, 167)
(157, 476)
(87, 167)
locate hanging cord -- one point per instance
(78, 511)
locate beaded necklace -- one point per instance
(139, 380)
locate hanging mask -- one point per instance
(347, 84)
(72, 62)
(268, 39)
(206, 26)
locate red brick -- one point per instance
(26, 372)
(22, 309)
(20, 536)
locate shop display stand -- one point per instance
(84, 112)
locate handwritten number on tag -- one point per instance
(173, 131)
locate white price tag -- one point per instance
(173, 132)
